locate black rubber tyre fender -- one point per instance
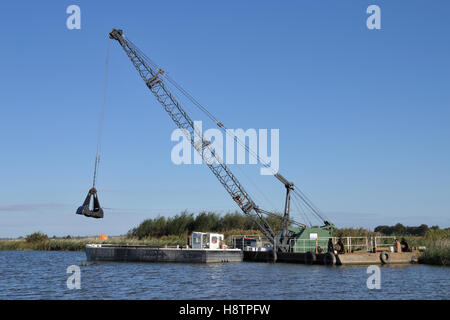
(329, 259)
(310, 257)
(385, 257)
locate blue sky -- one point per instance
(363, 114)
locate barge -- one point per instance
(205, 248)
(351, 251)
(211, 248)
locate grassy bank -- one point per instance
(39, 241)
(437, 244)
(79, 244)
(436, 253)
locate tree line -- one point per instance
(401, 230)
(185, 223)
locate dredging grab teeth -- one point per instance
(96, 211)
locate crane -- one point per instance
(153, 77)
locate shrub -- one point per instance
(207, 222)
(184, 223)
(437, 253)
(353, 232)
(36, 237)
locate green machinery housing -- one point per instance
(303, 239)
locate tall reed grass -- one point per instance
(80, 244)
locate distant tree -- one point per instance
(180, 224)
(386, 230)
(236, 220)
(418, 231)
(132, 233)
(401, 230)
(159, 227)
(36, 237)
(398, 229)
(353, 232)
(276, 223)
(207, 222)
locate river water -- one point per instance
(43, 275)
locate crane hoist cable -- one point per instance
(305, 200)
(301, 210)
(96, 211)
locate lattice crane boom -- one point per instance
(153, 79)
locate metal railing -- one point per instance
(238, 241)
(384, 241)
(351, 244)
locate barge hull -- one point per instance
(154, 254)
(342, 259)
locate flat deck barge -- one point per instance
(125, 253)
(211, 248)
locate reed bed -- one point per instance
(436, 253)
(79, 244)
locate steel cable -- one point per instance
(101, 117)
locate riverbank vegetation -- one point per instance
(79, 243)
(436, 253)
(437, 244)
(401, 230)
(173, 231)
(185, 223)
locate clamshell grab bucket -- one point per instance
(96, 211)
